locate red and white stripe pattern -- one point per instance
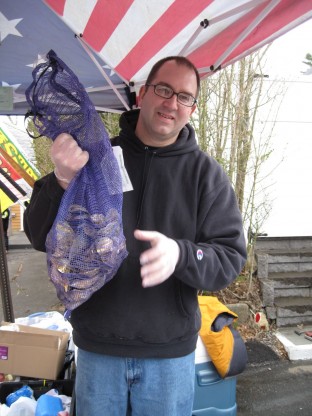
(131, 35)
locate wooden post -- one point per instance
(5, 287)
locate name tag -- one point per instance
(126, 183)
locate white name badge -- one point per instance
(126, 183)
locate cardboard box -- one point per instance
(32, 352)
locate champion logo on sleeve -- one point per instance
(200, 254)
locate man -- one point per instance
(5, 223)
(137, 335)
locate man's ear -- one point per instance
(193, 109)
(142, 92)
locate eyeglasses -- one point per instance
(166, 92)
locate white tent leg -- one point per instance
(86, 48)
(245, 33)
(208, 22)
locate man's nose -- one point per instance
(172, 101)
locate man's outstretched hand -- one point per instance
(158, 262)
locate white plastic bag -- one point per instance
(66, 400)
(4, 410)
(24, 406)
(46, 320)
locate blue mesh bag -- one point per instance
(85, 246)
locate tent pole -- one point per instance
(202, 26)
(85, 47)
(245, 33)
(5, 288)
(208, 22)
(239, 9)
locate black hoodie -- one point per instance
(184, 194)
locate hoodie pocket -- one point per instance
(186, 298)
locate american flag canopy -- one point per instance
(112, 44)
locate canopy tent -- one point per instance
(28, 30)
(111, 45)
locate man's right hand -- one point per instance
(68, 158)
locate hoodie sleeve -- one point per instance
(218, 255)
(41, 212)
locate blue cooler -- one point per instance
(214, 396)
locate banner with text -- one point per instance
(14, 151)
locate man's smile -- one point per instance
(167, 116)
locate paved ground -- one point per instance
(275, 388)
(271, 386)
(268, 387)
(31, 289)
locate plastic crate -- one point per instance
(39, 387)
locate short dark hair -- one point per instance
(180, 60)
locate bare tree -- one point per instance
(111, 123)
(226, 123)
(41, 147)
(42, 144)
(308, 62)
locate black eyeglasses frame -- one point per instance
(173, 93)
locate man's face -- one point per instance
(161, 119)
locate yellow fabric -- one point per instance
(219, 345)
(5, 201)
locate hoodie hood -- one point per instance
(185, 142)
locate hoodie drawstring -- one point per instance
(145, 178)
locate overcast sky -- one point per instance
(291, 189)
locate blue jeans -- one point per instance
(115, 386)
